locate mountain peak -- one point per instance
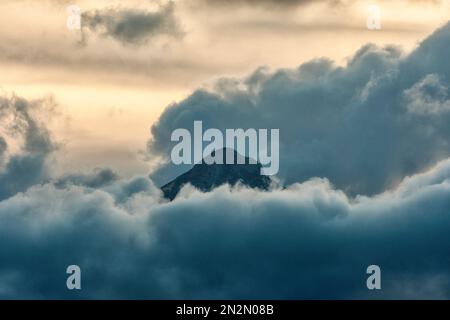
(206, 177)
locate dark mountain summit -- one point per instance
(206, 177)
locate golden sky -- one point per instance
(112, 83)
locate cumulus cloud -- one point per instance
(352, 124)
(307, 241)
(99, 178)
(133, 26)
(428, 96)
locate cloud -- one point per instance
(288, 4)
(429, 96)
(3, 148)
(307, 241)
(352, 124)
(20, 119)
(97, 179)
(353, 132)
(133, 26)
(270, 3)
(161, 60)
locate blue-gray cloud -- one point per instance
(377, 122)
(19, 118)
(3, 148)
(356, 125)
(308, 241)
(133, 26)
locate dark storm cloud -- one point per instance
(19, 118)
(356, 125)
(309, 241)
(133, 26)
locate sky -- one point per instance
(111, 87)
(85, 123)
